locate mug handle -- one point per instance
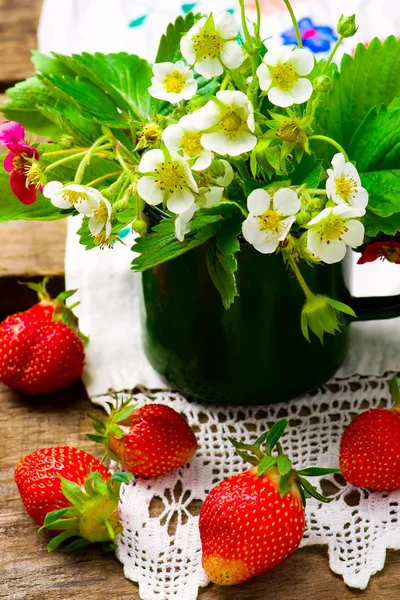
(374, 308)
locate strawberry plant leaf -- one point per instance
(261, 439)
(99, 439)
(247, 457)
(275, 434)
(169, 47)
(124, 413)
(395, 391)
(75, 546)
(317, 471)
(284, 464)
(265, 464)
(59, 539)
(284, 485)
(73, 492)
(312, 490)
(374, 224)
(53, 516)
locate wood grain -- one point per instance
(30, 573)
(18, 26)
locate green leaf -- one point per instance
(284, 464)
(59, 539)
(374, 224)
(169, 47)
(370, 78)
(161, 244)
(71, 121)
(221, 261)
(123, 77)
(89, 98)
(340, 306)
(275, 433)
(308, 171)
(284, 485)
(99, 439)
(54, 516)
(48, 65)
(317, 471)
(22, 106)
(312, 490)
(75, 546)
(73, 492)
(265, 464)
(124, 413)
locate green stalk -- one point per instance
(247, 36)
(325, 138)
(54, 165)
(295, 24)
(332, 54)
(258, 24)
(124, 165)
(307, 292)
(86, 159)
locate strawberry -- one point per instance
(370, 447)
(41, 350)
(68, 490)
(251, 522)
(148, 441)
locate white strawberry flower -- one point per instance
(172, 82)
(270, 219)
(281, 74)
(343, 185)
(182, 222)
(73, 195)
(167, 178)
(100, 221)
(332, 231)
(207, 197)
(210, 45)
(227, 123)
(185, 137)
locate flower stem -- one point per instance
(332, 54)
(106, 176)
(54, 165)
(257, 26)
(69, 151)
(248, 37)
(225, 82)
(325, 138)
(124, 165)
(307, 292)
(88, 155)
(295, 24)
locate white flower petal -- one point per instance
(95, 226)
(148, 189)
(221, 144)
(187, 49)
(322, 215)
(251, 230)
(226, 25)
(331, 188)
(264, 77)
(232, 55)
(285, 227)
(346, 212)
(172, 136)
(301, 91)
(189, 90)
(86, 207)
(280, 98)
(225, 179)
(213, 196)
(203, 161)
(180, 201)
(351, 172)
(150, 161)
(182, 220)
(160, 70)
(303, 61)
(250, 119)
(258, 202)
(209, 67)
(233, 98)
(207, 116)
(330, 253)
(52, 188)
(286, 201)
(361, 199)
(354, 236)
(277, 55)
(108, 229)
(58, 201)
(338, 162)
(268, 245)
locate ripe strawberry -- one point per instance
(66, 489)
(370, 447)
(147, 441)
(251, 522)
(40, 349)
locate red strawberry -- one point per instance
(370, 447)
(64, 488)
(147, 441)
(251, 522)
(40, 349)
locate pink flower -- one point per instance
(20, 162)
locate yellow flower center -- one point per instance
(332, 230)
(102, 240)
(101, 213)
(231, 122)
(174, 82)
(191, 144)
(284, 76)
(270, 221)
(346, 187)
(292, 132)
(73, 197)
(171, 175)
(208, 44)
(151, 133)
(33, 175)
(19, 162)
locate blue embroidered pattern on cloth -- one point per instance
(317, 38)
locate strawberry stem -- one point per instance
(395, 391)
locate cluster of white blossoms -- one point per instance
(86, 200)
(329, 233)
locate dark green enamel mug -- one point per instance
(255, 352)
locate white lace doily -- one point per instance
(161, 551)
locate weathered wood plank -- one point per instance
(18, 26)
(30, 573)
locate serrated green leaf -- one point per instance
(284, 464)
(275, 433)
(169, 47)
(70, 120)
(309, 171)
(87, 96)
(22, 106)
(374, 224)
(317, 471)
(265, 464)
(49, 65)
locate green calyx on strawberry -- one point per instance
(55, 308)
(148, 441)
(93, 516)
(280, 464)
(252, 522)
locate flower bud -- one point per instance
(347, 26)
(322, 84)
(139, 226)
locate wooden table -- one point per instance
(28, 572)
